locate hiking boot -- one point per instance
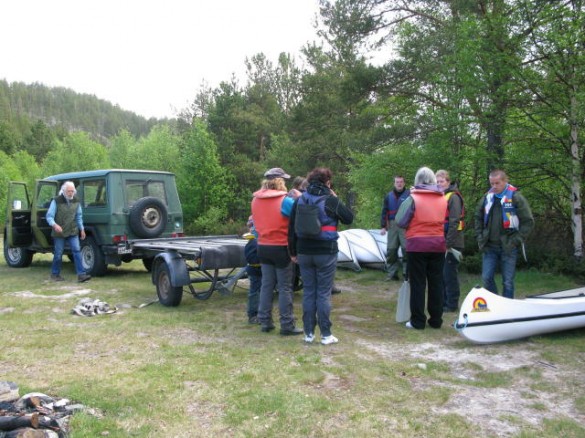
(291, 331)
(82, 278)
(326, 340)
(309, 338)
(57, 277)
(253, 320)
(265, 328)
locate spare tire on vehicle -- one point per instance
(148, 217)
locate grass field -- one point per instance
(201, 370)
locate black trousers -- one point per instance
(425, 269)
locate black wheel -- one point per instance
(17, 257)
(147, 262)
(148, 217)
(168, 295)
(92, 258)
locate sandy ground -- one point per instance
(538, 389)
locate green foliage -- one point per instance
(204, 186)
(40, 141)
(76, 152)
(213, 222)
(121, 146)
(157, 151)
(27, 166)
(25, 104)
(8, 172)
(374, 176)
(9, 141)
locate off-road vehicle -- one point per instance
(118, 206)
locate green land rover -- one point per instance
(118, 206)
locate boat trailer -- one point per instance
(185, 261)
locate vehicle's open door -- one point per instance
(45, 191)
(18, 216)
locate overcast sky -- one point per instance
(147, 56)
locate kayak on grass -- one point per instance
(486, 318)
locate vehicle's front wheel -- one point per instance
(17, 257)
(168, 295)
(92, 258)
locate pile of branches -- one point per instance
(33, 415)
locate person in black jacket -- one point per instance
(317, 254)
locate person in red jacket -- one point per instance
(422, 214)
(271, 209)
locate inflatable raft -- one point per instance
(486, 318)
(361, 248)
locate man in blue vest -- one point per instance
(503, 221)
(396, 236)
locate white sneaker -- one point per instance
(326, 340)
(309, 338)
(408, 325)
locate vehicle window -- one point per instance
(94, 193)
(45, 195)
(20, 197)
(140, 189)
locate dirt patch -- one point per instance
(73, 292)
(502, 410)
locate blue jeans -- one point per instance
(451, 282)
(254, 294)
(507, 261)
(59, 247)
(317, 272)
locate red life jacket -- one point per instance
(425, 233)
(270, 223)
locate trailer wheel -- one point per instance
(17, 257)
(168, 295)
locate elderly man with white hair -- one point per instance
(65, 218)
(422, 214)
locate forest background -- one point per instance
(462, 85)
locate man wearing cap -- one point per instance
(271, 208)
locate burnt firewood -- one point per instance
(11, 423)
(29, 433)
